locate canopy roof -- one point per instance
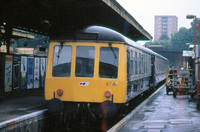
(57, 17)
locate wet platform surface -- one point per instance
(164, 113)
(15, 107)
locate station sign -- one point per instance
(187, 53)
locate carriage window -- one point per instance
(131, 63)
(108, 65)
(136, 64)
(144, 59)
(62, 61)
(146, 64)
(85, 61)
(142, 70)
(140, 64)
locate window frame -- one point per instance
(68, 74)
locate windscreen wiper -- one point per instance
(59, 52)
(110, 45)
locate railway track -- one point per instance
(110, 124)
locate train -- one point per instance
(97, 70)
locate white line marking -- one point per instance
(21, 118)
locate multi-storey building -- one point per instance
(165, 25)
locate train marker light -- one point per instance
(59, 92)
(107, 94)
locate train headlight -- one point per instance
(107, 94)
(59, 92)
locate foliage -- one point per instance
(180, 38)
(164, 37)
(14, 46)
(40, 40)
(165, 43)
(192, 30)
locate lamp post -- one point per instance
(195, 24)
(198, 75)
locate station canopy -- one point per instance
(58, 17)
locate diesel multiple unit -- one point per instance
(99, 69)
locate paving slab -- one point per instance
(164, 113)
(15, 107)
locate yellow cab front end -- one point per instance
(86, 72)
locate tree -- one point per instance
(192, 30)
(14, 46)
(33, 43)
(180, 38)
(164, 37)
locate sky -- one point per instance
(143, 11)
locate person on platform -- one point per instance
(171, 72)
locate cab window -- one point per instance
(85, 61)
(62, 61)
(108, 65)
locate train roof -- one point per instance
(106, 34)
(99, 33)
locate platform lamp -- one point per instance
(198, 81)
(195, 24)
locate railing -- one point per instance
(180, 80)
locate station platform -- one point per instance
(164, 113)
(15, 107)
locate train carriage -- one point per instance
(99, 69)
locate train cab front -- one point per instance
(88, 74)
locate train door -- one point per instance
(128, 72)
(128, 65)
(152, 78)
